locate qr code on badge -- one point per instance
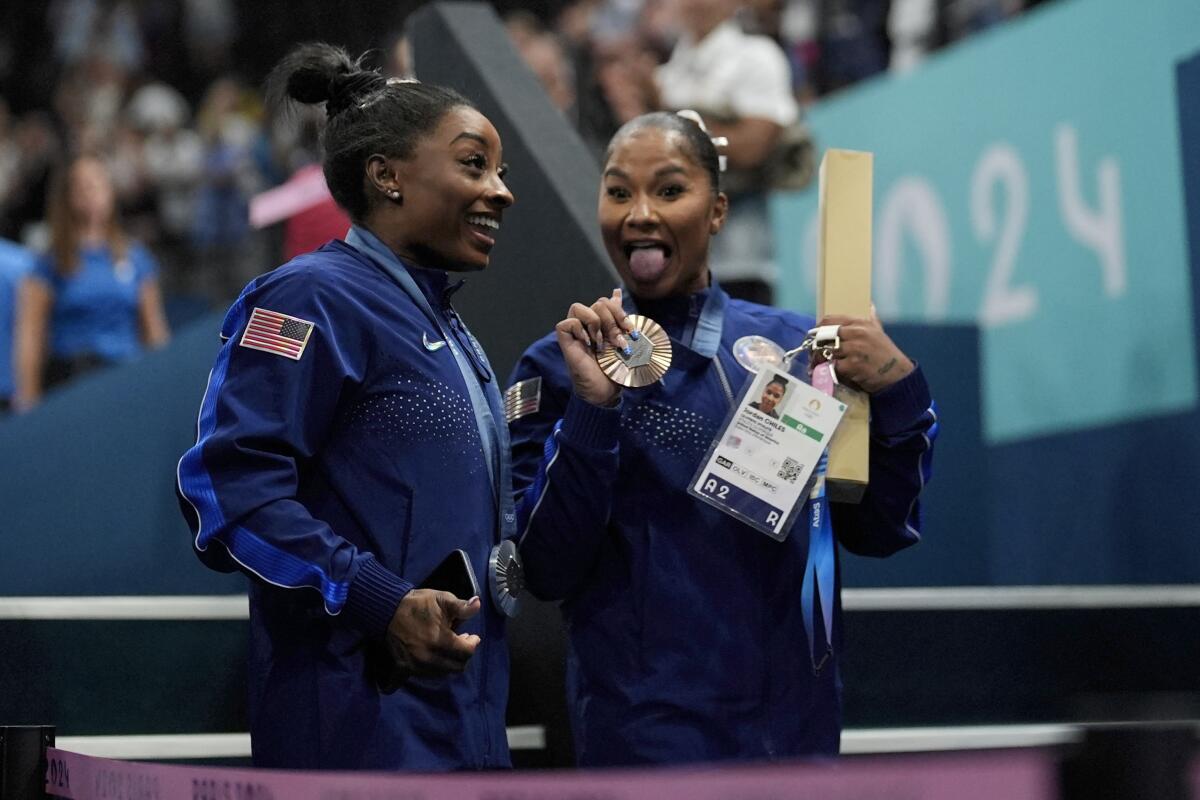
(790, 470)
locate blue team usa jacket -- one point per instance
(686, 636)
(339, 459)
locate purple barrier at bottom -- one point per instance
(1001, 775)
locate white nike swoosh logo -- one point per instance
(431, 346)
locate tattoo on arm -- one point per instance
(886, 368)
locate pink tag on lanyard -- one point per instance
(822, 377)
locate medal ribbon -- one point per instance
(705, 338)
(821, 565)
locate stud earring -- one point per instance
(395, 195)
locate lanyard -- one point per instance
(821, 565)
(485, 396)
(706, 339)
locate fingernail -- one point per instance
(627, 350)
(634, 335)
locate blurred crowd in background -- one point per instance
(164, 98)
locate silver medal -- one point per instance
(506, 577)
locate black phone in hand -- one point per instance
(454, 575)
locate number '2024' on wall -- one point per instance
(1028, 181)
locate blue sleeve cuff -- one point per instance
(897, 407)
(374, 595)
(586, 425)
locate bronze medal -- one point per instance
(649, 355)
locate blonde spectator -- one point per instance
(93, 299)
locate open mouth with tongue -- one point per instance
(647, 260)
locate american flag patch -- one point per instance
(276, 333)
(523, 399)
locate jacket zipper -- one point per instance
(723, 378)
(465, 341)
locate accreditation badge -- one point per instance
(760, 464)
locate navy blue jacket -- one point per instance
(338, 480)
(686, 638)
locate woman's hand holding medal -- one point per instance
(586, 331)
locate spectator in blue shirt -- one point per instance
(15, 261)
(94, 298)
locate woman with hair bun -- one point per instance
(689, 638)
(351, 436)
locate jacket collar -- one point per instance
(435, 284)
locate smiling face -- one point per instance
(772, 394)
(452, 194)
(657, 213)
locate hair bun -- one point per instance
(308, 73)
(347, 89)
